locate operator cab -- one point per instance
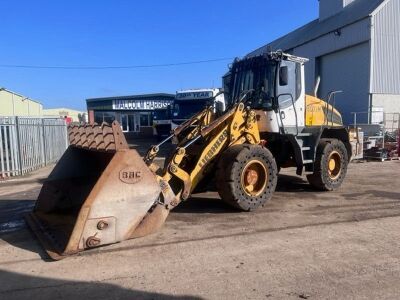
(272, 83)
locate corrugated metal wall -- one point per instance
(328, 8)
(351, 35)
(343, 62)
(386, 47)
(347, 70)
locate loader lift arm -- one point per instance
(191, 127)
(194, 156)
(187, 130)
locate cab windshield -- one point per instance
(258, 75)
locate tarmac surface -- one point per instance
(302, 245)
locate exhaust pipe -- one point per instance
(316, 87)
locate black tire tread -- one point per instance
(320, 179)
(230, 166)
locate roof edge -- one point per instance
(329, 32)
(310, 31)
(379, 8)
(63, 108)
(130, 96)
(20, 95)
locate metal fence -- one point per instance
(28, 143)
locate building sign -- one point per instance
(194, 95)
(63, 113)
(140, 104)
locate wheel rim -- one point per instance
(334, 165)
(254, 178)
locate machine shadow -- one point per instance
(24, 182)
(19, 286)
(199, 204)
(24, 239)
(13, 228)
(15, 232)
(289, 183)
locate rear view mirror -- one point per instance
(283, 76)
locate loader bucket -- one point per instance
(100, 192)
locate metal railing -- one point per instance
(28, 143)
(331, 102)
(381, 131)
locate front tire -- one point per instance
(246, 176)
(330, 165)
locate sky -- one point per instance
(76, 33)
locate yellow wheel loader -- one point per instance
(101, 192)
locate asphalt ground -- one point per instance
(302, 245)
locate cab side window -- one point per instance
(287, 84)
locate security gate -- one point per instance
(29, 143)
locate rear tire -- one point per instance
(246, 176)
(330, 166)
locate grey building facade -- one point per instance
(135, 113)
(353, 46)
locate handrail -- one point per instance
(295, 111)
(330, 95)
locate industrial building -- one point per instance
(70, 115)
(14, 104)
(354, 46)
(135, 113)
